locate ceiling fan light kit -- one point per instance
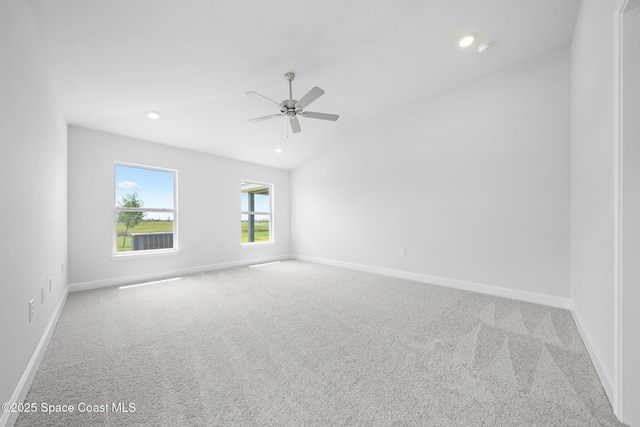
(293, 108)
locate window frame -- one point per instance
(270, 214)
(144, 252)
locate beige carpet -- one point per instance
(297, 344)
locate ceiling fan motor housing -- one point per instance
(289, 106)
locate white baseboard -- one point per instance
(607, 384)
(548, 300)
(117, 281)
(8, 419)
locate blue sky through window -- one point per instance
(155, 188)
(261, 202)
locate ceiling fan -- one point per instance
(294, 108)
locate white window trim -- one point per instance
(272, 234)
(115, 255)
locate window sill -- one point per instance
(143, 254)
(256, 244)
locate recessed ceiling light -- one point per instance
(278, 150)
(153, 115)
(467, 40)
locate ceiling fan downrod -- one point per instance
(290, 103)
(290, 77)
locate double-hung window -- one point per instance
(145, 211)
(256, 217)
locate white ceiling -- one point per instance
(194, 61)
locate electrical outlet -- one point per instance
(30, 310)
(403, 252)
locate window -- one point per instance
(256, 219)
(145, 210)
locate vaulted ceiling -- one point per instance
(194, 60)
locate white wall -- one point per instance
(592, 182)
(630, 293)
(33, 173)
(473, 183)
(208, 203)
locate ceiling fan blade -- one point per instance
(322, 116)
(311, 96)
(295, 124)
(264, 98)
(258, 119)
